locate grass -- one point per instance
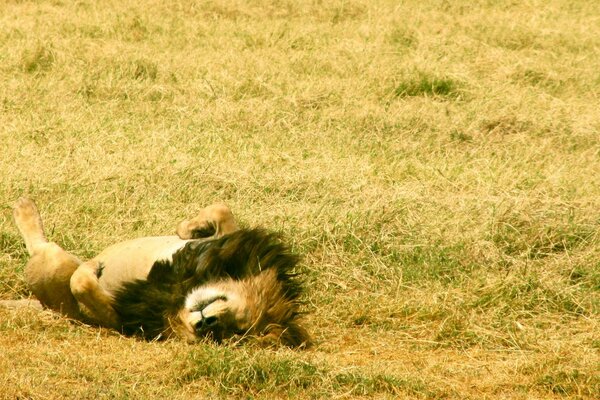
(421, 84)
(436, 164)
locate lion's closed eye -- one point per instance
(203, 303)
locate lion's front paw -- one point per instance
(195, 229)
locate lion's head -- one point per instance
(240, 285)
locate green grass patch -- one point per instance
(434, 263)
(38, 58)
(587, 275)
(13, 245)
(250, 373)
(529, 295)
(426, 84)
(571, 383)
(455, 332)
(539, 233)
(402, 38)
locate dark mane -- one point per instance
(145, 306)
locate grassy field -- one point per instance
(436, 163)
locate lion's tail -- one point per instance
(29, 222)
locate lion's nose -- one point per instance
(210, 321)
(206, 323)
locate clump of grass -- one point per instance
(534, 234)
(39, 59)
(13, 256)
(345, 11)
(530, 295)
(547, 81)
(143, 69)
(571, 382)
(13, 245)
(505, 125)
(434, 263)
(461, 137)
(427, 84)
(134, 29)
(368, 385)
(587, 274)
(511, 39)
(455, 332)
(251, 88)
(117, 79)
(402, 38)
(239, 373)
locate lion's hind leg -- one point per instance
(48, 271)
(215, 220)
(29, 222)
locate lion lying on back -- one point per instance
(212, 280)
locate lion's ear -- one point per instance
(292, 335)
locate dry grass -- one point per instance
(437, 164)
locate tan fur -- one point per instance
(216, 218)
(63, 283)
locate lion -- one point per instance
(211, 280)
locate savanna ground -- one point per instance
(437, 164)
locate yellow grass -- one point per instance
(437, 164)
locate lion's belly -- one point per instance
(133, 259)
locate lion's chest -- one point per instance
(133, 259)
